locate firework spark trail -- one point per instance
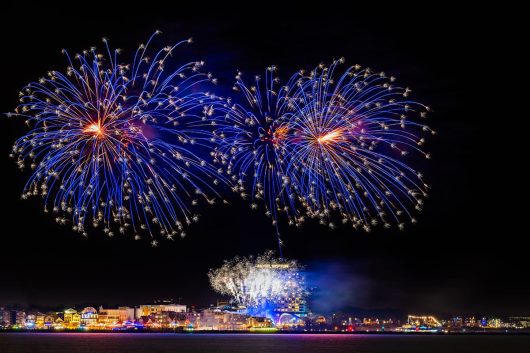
(348, 136)
(115, 144)
(251, 144)
(259, 283)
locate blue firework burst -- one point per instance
(117, 145)
(252, 143)
(351, 136)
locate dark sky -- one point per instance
(467, 254)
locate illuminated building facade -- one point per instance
(259, 322)
(457, 322)
(39, 320)
(370, 321)
(49, 320)
(5, 317)
(230, 318)
(112, 317)
(34, 320)
(495, 323)
(522, 322)
(71, 319)
(163, 318)
(58, 323)
(320, 320)
(471, 322)
(290, 312)
(12, 318)
(146, 310)
(89, 317)
(214, 319)
(418, 323)
(426, 321)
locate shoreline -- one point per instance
(242, 332)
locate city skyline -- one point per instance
(166, 315)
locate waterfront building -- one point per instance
(39, 320)
(370, 321)
(12, 318)
(31, 319)
(71, 319)
(290, 312)
(320, 320)
(495, 323)
(20, 318)
(89, 317)
(164, 319)
(471, 322)
(58, 323)
(427, 321)
(188, 320)
(259, 322)
(215, 319)
(49, 320)
(5, 317)
(483, 322)
(148, 309)
(520, 321)
(35, 320)
(418, 323)
(108, 317)
(457, 322)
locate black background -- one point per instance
(467, 254)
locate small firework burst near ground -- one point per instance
(115, 145)
(351, 136)
(259, 283)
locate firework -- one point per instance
(259, 283)
(252, 143)
(350, 138)
(324, 145)
(116, 145)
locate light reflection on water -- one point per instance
(257, 343)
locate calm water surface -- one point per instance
(258, 343)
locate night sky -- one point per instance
(467, 254)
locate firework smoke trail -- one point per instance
(350, 135)
(259, 283)
(112, 144)
(251, 139)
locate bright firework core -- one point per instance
(274, 136)
(329, 137)
(96, 129)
